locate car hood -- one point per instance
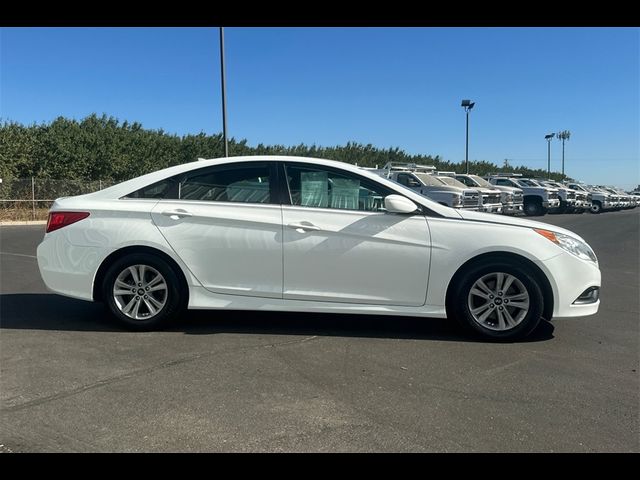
(517, 222)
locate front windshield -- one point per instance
(429, 180)
(527, 182)
(578, 187)
(452, 181)
(480, 181)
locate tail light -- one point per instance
(62, 219)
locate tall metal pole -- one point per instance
(549, 159)
(224, 97)
(563, 158)
(563, 135)
(467, 149)
(548, 139)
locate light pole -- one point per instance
(548, 139)
(563, 135)
(467, 105)
(224, 97)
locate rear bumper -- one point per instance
(68, 269)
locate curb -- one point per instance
(23, 222)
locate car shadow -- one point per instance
(53, 312)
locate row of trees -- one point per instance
(102, 147)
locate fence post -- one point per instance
(33, 196)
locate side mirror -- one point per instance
(399, 204)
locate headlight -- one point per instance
(570, 244)
(456, 201)
(506, 197)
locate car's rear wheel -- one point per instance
(142, 291)
(596, 207)
(498, 300)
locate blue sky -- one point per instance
(392, 87)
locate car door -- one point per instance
(341, 246)
(226, 226)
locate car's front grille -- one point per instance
(571, 195)
(491, 198)
(470, 200)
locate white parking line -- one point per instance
(18, 254)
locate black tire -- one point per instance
(173, 302)
(533, 208)
(596, 207)
(458, 305)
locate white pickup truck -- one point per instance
(538, 199)
(510, 197)
(417, 178)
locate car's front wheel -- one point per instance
(142, 291)
(534, 208)
(497, 300)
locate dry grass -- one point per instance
(22, 214)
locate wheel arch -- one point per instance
(122, 252)
(540, 276)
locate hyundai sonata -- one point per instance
(300, 234)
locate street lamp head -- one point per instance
(550, 136)
(468, 104)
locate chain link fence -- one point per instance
(31, 198)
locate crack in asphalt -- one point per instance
(140, 372)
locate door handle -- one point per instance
(303, 227)
(176, 214)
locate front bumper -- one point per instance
(512, 208)
(569, 277)
(491, 208)
(551, 203)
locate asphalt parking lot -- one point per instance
(71, 380)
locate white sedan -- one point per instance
(300, 234)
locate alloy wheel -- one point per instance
(498, 301)
(140, 292)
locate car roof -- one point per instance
(121, 189)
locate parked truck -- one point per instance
(571, 201)
(420, 179)
(491, 196)
(600, 201)
(510, 197)
(537, 199)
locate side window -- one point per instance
(314, 186)
(408, 180)
(503, 181)
(244, 183)
(166, 188)
(466, 181)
